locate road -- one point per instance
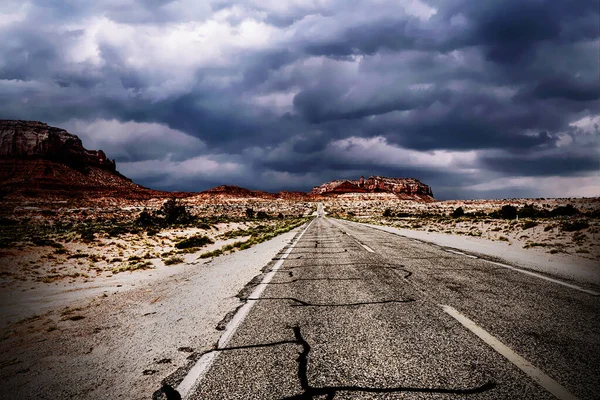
(354, 312)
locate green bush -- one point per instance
(194, 241)
(173, 260)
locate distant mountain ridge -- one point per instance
(38, 160)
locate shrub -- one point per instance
(145, 219)
(249, 213)
(508, 212)
(262, 215)
(194, 241)
(458, 212)
(574, 226)
(528, 211)
(564, 211)
(46, 242)
(173, 260)
(213, 253)
(175, 213)
(528, 224)
(132, 266)
(387, 213)
(79, 255)
(88, 235)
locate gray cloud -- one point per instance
(282, 94)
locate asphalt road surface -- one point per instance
(353, 312)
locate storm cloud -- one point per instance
(499, 98)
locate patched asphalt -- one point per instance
(338, 321)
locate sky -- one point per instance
(478, 99)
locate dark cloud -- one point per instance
(304, 92)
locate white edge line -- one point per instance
(523, 271)
(533, 372)
(460, 253)
(196, 373)
(367, 248)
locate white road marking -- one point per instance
(367, 248)
(569, 285)
(460, 253)
(195, 375)
(534, 373)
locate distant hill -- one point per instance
(240, 192)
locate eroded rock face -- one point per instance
(402, 187)
(37, 140)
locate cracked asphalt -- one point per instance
(338, 321)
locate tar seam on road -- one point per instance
(534, 373)
(192, 379)
(301, 303)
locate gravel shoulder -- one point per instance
(121, 343)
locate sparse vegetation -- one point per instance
(194, 241)
(173, 260)
(132, 266)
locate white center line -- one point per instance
(534, 373)
(194, 376)
(569, 285)
(367, 248)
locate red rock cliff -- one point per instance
(408, 188)
(37, 140)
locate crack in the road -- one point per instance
(302, 303)
(464, 269)
(310, 392)
(312, 279)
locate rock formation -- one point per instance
(40, 161)
(37, 140)
(405, 188)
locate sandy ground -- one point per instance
(119, 339)
(563, 265)
(26, 266)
